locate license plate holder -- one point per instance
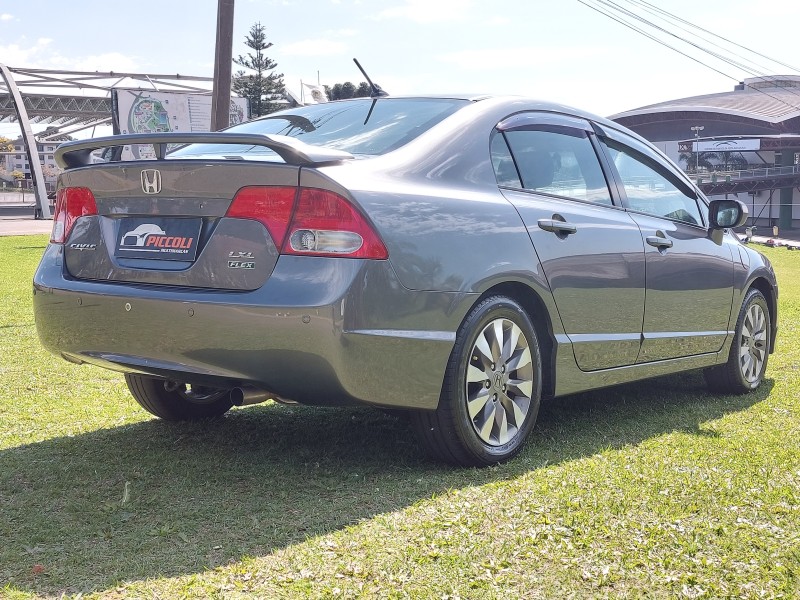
(159, 238)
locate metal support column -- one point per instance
(787, 194)
(42, 210)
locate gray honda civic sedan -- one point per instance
(458, 258)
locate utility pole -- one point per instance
(223, 64)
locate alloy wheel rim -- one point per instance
(499, 382)
(753, 344)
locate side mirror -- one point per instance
(723, 214)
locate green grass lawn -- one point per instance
(657, 489)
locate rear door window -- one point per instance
(549, 155)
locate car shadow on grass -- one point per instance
(156, 499)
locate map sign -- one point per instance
(142, 111)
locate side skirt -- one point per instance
(571, 380)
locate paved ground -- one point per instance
(23, 225)
(16, 215)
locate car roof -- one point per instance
(534, 103)
(517, 103)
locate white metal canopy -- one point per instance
(72, 101)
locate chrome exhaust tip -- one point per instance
(244, 396)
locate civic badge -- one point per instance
(151, 181)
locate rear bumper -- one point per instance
(320, 331)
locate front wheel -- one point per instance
(173, 401)
(492, 388)
(747, 360)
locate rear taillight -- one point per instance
(271, 206)
(318, 223)
(326, 224)
(72, 203)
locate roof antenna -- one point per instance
(377, 91)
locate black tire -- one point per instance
(749, 353)
(174, 401)
(451, 433)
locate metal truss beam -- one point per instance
(69, 130)
(49, 109)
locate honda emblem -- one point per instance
(151, 181)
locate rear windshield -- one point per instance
(364, 126)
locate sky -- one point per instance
(558, 50)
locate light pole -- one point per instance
(697, 129)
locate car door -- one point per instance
(689, 276)
(590, 248)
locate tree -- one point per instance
(50, 171)
(261, 87)
(5, 146)
(364, 90)
(343, 91)
(335, 92)
(711, 161)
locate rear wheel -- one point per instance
(174, 401)
(747, 360)
(492, 388)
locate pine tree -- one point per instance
(261, 87)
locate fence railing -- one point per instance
(747, 174)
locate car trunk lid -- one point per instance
(199, 222)
(184, 234)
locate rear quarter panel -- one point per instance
(446, 238)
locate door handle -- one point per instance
(658, 241)
(557, 226)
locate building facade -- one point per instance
(754, 128)
(18, 161)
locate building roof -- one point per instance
(772, 99)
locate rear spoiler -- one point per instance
(71, 155)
